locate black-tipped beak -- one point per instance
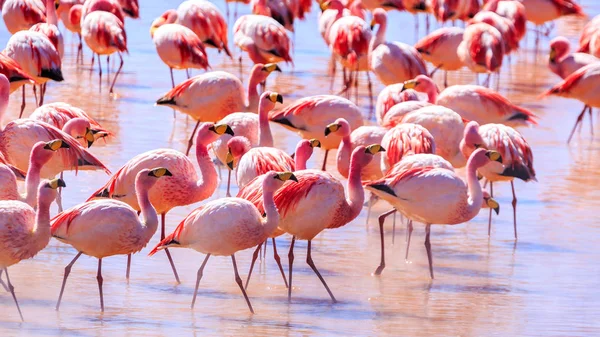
(61, 183)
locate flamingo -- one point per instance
(512, 146)
(252, 130)
(476, 103)
(24, 231)
(310, 115)
(503, 25)
(590, 31)
(444, 10)
(264, 39)
(18, 174)
(105, 227)
(225, 226)
(397, 112)
(404, 140)
(580, 85)
(392, 62)
(542, 11)
(15, 74)
(131, 8)
(435, 195)
(105, 34)
(37, 56)
(70, 14)
(41, 153)
(183, 188)
(22, 14)
(212, 96)
(178, 46)
(439, 48)
(416, 161)
(482, 49)
(513, 10)
(110, 6)
(562, 62)
(50, 28)
(394, 94)
(253, 193)
(279, 10)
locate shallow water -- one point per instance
(544, 284)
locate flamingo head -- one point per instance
(274, 180)
(482, 157)
(81, 130)
(305, 147)
(421, 83)
(559, 48)
(169, 16)
(331, 4)
(379, 17)
(237, 146)
(209, 132)
(47, 190)
(362, 155)
(146, 178)
(472, 140)
(340, 125)
(268, 99)
(42, 152)
(489, 202)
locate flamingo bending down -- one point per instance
(105, 34)
(37, 56)
(264, 39)
(512, 146)
(212, 96)
(183, 188)
(50, 28)
(482, 49)
(103, 228)
(15, 74)
(23, 231)
(475, 103)
(404, 140)
(440, 49)
(503, 25)
(513, 10)
(41, 153)
(309, 116)
(279, 10)
(580, 85)
(178, 47)
(392, 62)
(225, 226)
(20, 15)
(394, 94)
(447, 199)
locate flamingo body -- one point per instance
(482, 49)
(104, 33)
(22, 14)
(264, 39)
(36, 55)
(204, 19)
(179, 48)
(438, 48)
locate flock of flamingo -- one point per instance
(407, 157)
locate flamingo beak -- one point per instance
(56, 183)
(229, 160)
(315, 143)
(275, 97)
(493, 204)
(89, 137)
(333, 127)
(56, 144)
(552, 55)
(494, 156)
(221, 129)
(285, 176)
(410, 84)
(159, 172)
(374, 149)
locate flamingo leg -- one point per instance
(162, 237)
(191, 140)
(394, 229)
(381, 222)
(291, 262)
(4, 284)
(22, 104)
(278, 260)
(107, 66)
(370, 87)
(198, 278)
(323, 168)
(265, 251)
(332, 71)
(42, 92)
(445, 79)
(591, 120)
(238, 280)
(93, 59)
(79, 49)
(128, 267)
(35, 94)
(228, 194)
(100, 282)
(409, 229)
(356, 85)
(490, 216)
(116, 74)
(59, 196)
(172, 86)
(187, 73)
(370, 205)
(64, 282)
(310, 262)
(254, 257)
(514, 205)
(428, 247)
(12, 292)
(579, 119)
(99, 73)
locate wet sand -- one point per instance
(544, 284)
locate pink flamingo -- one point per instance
(590, 31)
(18, 175)
(503, 25)
(104, 33)
(22, 14)
(580, 85)
(403, 140)
(562, 62)
(388, 5)
(41, 153)
(37, 56)
(226, 226)
(439, 48)
(216, 94)
(70, 13)
(111, 6)
(264, 39)
(394, 94)
(512, 146)
(482, 49)
(475, 103)
(446, 200)
(444, 10)
(309, 116)
(513, 10)
(24, 231)
(15, 74)
(131, 8)
(183, 188)
(178, 46)
(279, 10)
(542, 11)
(103, 228)
(50, 28)
(392, 62)
(397, 112)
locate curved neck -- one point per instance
(356, 194)
(42, 221)
(343, 156)
(51, 17)
(207, 184)
(32, 182)
(272, 220)
(301, 157)
(150, 218)
(379, 38)
(265, 137)
(253, 96)
(474, 188)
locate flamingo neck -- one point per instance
(265, 137)
(253, 96)
(41, 228)
(356, 194)
(432, 95)
(207, 184)
(300, 158)
(379, 38)
(32, 182)
(51, 17)
(148, 212)
(474, 188)
(343, 156)
(272, 220)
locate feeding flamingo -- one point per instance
(50, 28)
(394, 94)
(440, 49)
(212, 96)
(225, 226)
(279, 10)
(482, 49)
(513, 10)
(517, 158)
(23, 231)
(264, 39)
(22, 14)
(309, 116)
(105, 227)
(183, 188)
(447, 199)
(397, 112)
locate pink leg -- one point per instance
(490, 216)
(428, 247)
(591, 120)
(4, 284)
(79, 50)
(254, 257)
(291, 263)
(162, 237)
(514, 205)
(117, 74)
(278, 260)
(12, 292)
(409, 229)
(238, 280)
(325, 161)
(172, 86)
(198, 278)
(22, 104)
(381, 222)
(64, 282)
(191, 141)
(228, 194)
(100, 282)
(128, 267)
(310, 262)
(579, 119)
